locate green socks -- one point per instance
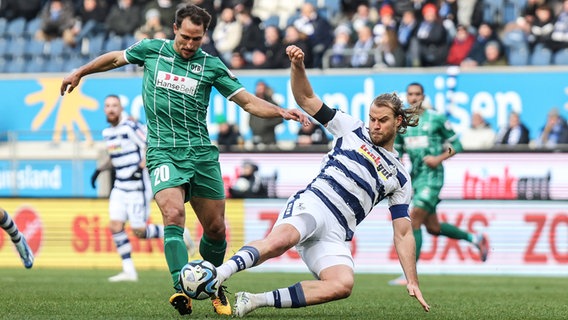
(175, 251)
(212, 251)
(418, 240)
(451, 231)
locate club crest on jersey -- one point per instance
(195, 68)
(177, 83)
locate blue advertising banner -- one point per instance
(35, 106)
(47, 178)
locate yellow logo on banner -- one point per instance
(69, 113)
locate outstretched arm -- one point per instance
(405, 248)
(107, 61)
(264, 109)
(301, 87)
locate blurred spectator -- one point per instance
(432, 38)
(229, 136)
(57, 17)
(540, 35)
(238, 61)
(313, 134)
(390, 52)
(208, 6)
(208, 45)
(407, 38)
(476, 55)
(349, 7)
(249, 184)
(252, 36)
(365, 16)
(274, 56)
(515, 133)
(386, 21)
(493, 55)
(167, 10)
(554, 132)
(363, 53)
(318, 30)
(152, 26)
(560, 33)
(263, 133)
(28, 9)
(89, 20)
(339, 57)
(124, 18)
(227, 34)
(460, 47)
(479, 136)
(293, 37)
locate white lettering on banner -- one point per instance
(30, 178)
(525, 237)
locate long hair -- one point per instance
(196, 15)
(409, 116)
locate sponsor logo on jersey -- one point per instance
(384, 171)
(177, 83)
(195, 68)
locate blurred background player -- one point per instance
(425, 145)
(18, 238)
(131, 193)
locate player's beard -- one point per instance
(381, 138)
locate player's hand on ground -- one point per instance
(295, 54)
(70, 82)
(415, 292)
(295, 114)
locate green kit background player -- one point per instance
(428, 145)
(182, 160)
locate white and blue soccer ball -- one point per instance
(198, 279)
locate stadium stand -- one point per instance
(17, 36)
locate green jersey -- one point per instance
(428, 138)
(176, 92)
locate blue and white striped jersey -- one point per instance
(126, 145)
(356, 175)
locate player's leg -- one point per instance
(171, 204)
(334, 273)
(17, 238)
(276, 243)
(335, 283)
(120, 202)
(207, 198)
(451, 231)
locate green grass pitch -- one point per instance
(86, 294)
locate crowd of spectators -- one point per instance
(253, 34)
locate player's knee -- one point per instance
(215, 230)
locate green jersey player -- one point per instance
(183, 163)
(428, 145)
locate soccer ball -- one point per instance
(198, 279)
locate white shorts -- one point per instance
(133, 206)
(322, 239)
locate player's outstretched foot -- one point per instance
(124, 276)
(221, 303)
(243, 304)
(181, 302)
(400, 281)
(25, 252)
(483, 246)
